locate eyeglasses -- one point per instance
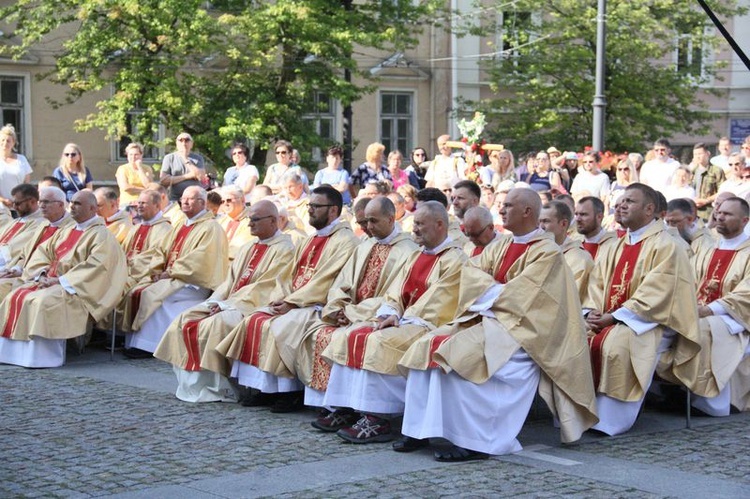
(184, 139)
(70, 154)
(18, 203)
(282, 153)
(45, 202)
(587, 162)
(735, 164)
(237, 153)
(474, 236)
(255, 220)
(660, 149)
(746, 176)
(313, 206)
(227, 201)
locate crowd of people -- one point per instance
(410, 291)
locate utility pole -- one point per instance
(600, 101)
(347, 112)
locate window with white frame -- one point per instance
(151, 153)
(396, 121)
(323, 117)
(12, 107)
(689, 55)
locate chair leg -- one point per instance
(687, 409)
(114, 334)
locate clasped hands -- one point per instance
(597, 320)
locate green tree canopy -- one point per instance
(222, 70)
(544, 79)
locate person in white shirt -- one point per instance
(657, 173)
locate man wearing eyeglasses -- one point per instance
(79, 274)
(473, 380)
(479, 228)
(190, 341)
(56, 217)
(735, 183)
(184, 269)
(25, 199)
(364, 373)
(275, 172)
(261, 359)
(233, 219)
(182, 168)
(657, 173)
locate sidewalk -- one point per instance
(97, 427)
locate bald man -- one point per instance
(365, 277)
(187, 265)
(682, 216)
(364, 376)
(404, 219)
(518, 329)
(479, 228)
(68, 279)
(189, 342)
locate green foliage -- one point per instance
(545, 79)
(224, 71)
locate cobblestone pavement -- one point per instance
(98, 428)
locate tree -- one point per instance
(225, 70)
(545, 76)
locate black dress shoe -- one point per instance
(288, 402)
(409, 444)
(458, 454)
(136, 353)
(257, 398)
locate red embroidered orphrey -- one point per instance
(711, 288)
(18, 297)
(616, 296)
(309, 261)
(259, 250)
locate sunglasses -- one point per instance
(282, 153)
(184, 139)
(70, 154)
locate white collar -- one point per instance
(156, 218)
(88, 223)
(390, 237)
(265, 241)
(327, 230)
(191, 221)
(524, 239)
(59, 222)
(734, 243)
(437, 249)
(634, 237)
(597, 237)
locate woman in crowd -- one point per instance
(625, 174)
(372, 170)
(680, 186)
(134, 176)
(72, 172)
(242, 174)
(409, 193)
(333, 174)
(418, 160)
(399, 176)
(590, 181)
(501, 168)
(14, 168)
(543, 178)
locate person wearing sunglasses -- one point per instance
(275, 172)
(182, 168)
(72, 173)
(657, 172)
